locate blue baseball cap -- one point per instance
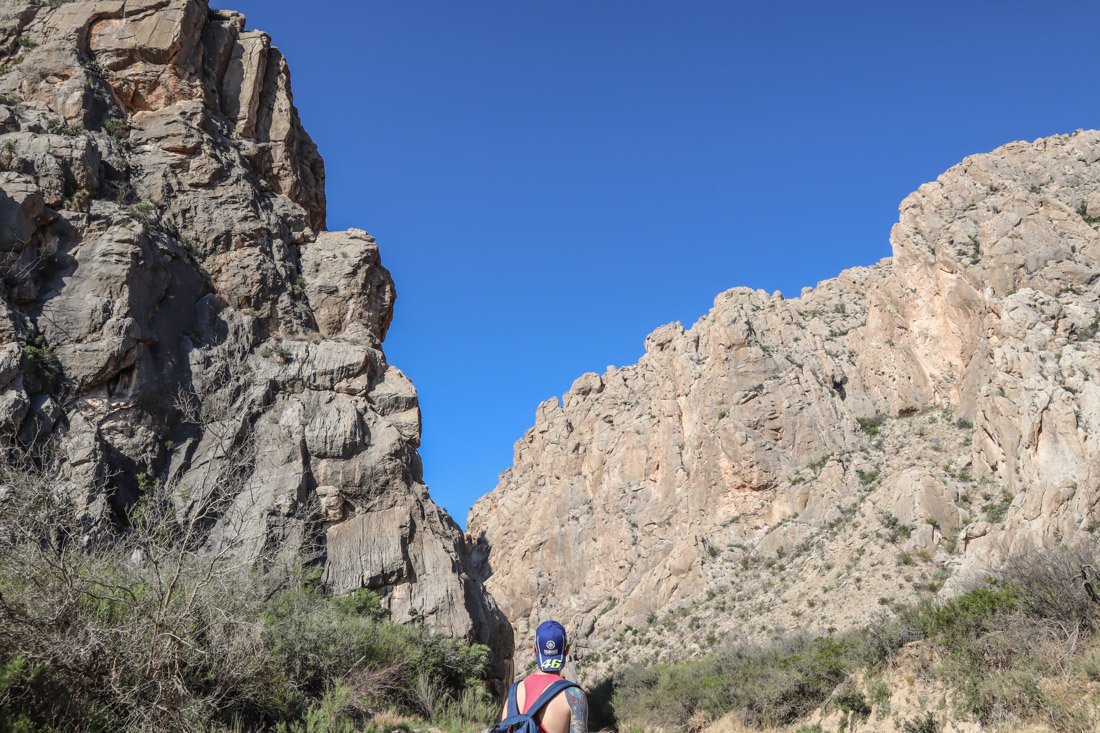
(550, 641)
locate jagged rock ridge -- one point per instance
(173, 309)
(798, 464)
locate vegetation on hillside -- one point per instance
(150, 626)
(145, 623)
(1021, 647)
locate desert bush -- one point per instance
(870, 425)
(42, 366)
(767, 686)
(1054, 585)
(327, 715)
(314, 639)
(996, 644)
(1027, 624)
(119, 630)
(116, 128)
(135, 622)
(967, 616)
(852, 701)
(923, 724)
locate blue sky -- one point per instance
(550, 180)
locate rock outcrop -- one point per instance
(798, 464)
(173, 309)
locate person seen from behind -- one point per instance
(555, 704)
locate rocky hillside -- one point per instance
(792, 464)
(174, 311)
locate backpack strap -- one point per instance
(547, 695)
(513, 706)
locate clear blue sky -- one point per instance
(550, 180)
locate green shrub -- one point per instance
(143, 211)
(879, 693)
(867, 477)
(42, 363)
(996, 508)
(116, 128)
(852, 701)
(330, 714)
(767, 686)
(870, 425)
(146, 631)
(923, 724)
(968, 615)
(994, 644)
(315, 639)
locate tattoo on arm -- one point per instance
(578, 710)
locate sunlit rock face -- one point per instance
(173, 309)
(800, 464)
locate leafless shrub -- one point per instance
(132, 619)
(143, 628)
(368, 686)
(1058, 584)
(429, 693)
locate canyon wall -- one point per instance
(173, 309)
(801, 464)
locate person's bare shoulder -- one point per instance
(578, 710)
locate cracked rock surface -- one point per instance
(173, 309)
(799, 464)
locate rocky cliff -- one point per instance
(800, 464)
(174, 311)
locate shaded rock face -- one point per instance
(798, 464)
(173, 310)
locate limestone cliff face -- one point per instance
(173, 310)
(797, 464)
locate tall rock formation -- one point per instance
(173, 309)
(798, 464)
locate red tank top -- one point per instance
(533, 685)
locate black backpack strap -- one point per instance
(549, 694)
(513, 707)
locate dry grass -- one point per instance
(394, 720)
(733, 724)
